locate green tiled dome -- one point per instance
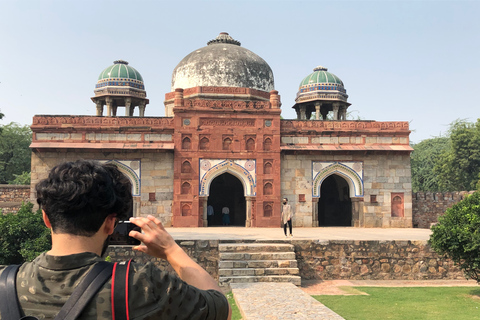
(120, 74)
(120, 70)
(321, 75)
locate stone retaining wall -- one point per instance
(331, 260)
(372, 260)
(12, 196)
(204, 252)
(428, 206)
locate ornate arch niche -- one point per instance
(244, 170)
(351, 171)
(131, 169)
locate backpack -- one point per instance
(102, 271)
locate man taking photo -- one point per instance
(81, 202)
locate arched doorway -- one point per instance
(227, 191)
(335, 205)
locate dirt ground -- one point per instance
(346, 287)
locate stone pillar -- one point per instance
(335, 111)
(248, 221)
(315, 212)
(128, 103)
(275, 99)
(318, 105)
(358, 217)
(303, 112)
(99, 105)
(141, 109)
(343, 113)
(204, 201)
(178, 100)
(109, 102)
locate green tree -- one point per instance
(423, 160)
(21, 179)
(457, 235)
(23, 235)
(15, 154)
(458, 167)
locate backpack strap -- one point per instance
(119, 299)
(85, 291)
(9, 305)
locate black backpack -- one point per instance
(102, 271)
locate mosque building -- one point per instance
(223, 143)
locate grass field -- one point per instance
(235, 312)
(440, 303)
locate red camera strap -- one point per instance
(119, 297)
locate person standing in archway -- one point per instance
(287, 217)
(210, 213)
(226, 216)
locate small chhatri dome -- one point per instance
(321, 92)
(223, 63)
(120, 85)
(321, 76)
(120, 70)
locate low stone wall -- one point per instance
(204, 252)
(428, 206)
(331, 260)
(12, 196)
(372, 260)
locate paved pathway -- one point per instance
(278, 301)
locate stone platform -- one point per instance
(320, 233)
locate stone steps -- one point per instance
(257, 262)
(258, 271)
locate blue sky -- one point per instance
(415, 61)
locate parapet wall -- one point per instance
(331, 260)
(12, 196)
(372, 260)
(428, 206)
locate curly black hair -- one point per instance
(78, 196)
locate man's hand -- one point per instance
(159, 243)
(156, 240)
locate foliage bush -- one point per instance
(15, 153)
(23, 235)
(457, 235)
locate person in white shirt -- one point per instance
(226, 216)
(287, 217)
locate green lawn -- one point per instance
(444, 303)
(235, 312)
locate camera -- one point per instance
(120, 234)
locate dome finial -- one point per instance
(320, 68)
(120, 62)
(224, 37)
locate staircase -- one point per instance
(257, 262)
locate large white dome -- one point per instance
(223, 63)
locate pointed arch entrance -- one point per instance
(335, 205)
(226, 190)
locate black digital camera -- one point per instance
(120, 234)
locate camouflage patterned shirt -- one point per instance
(45, 284)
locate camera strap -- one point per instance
(81, 296)
(119, 299)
